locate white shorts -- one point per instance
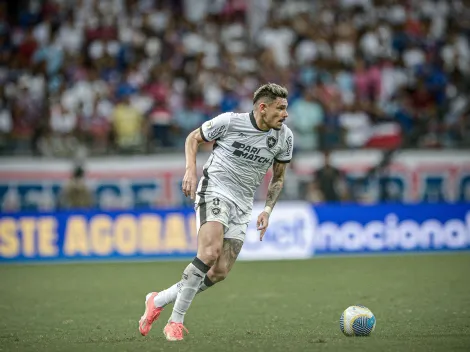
(213, 207)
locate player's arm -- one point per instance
(277, 182)
(208, 132)
(275, 186)
(274, 190)
(191, 145)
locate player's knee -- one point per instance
(209, 255)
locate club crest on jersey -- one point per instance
(216, 211)
(271, 142)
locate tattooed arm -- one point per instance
(275, 186)
(274, 190)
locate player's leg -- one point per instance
(209, 247)
(210, 239)
(218, 272)
(233, 242)
(212, 216)
(231, 248)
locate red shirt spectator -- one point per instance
(422, 99)
(27, 48)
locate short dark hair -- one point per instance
(271, 91)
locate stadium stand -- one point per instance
(135, 76)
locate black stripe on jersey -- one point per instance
(282, 161)
(202, 134)
(202, 200)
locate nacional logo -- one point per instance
(271, 142)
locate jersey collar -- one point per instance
(253, 122)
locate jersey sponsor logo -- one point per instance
(289, 145)
(249, 153)
(288, 151)
(217, 132)
(271, 142)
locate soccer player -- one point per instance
(246, 145)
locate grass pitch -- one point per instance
(422, 303)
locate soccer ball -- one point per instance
(357, 321)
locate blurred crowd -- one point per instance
(135, 76)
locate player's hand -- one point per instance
(262, 224)
(189, 183)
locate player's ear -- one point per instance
(262, 107)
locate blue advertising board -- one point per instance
(66, 236)
(391, 228)
(297, 230)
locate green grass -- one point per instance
(421, 302)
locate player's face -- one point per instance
(276, 113)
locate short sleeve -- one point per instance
(215, 128)
(285, 154)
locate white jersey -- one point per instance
(241, 156)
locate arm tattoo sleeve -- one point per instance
(231, 249)
(275, 186)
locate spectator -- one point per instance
(75, 193)
(328, 184)
(95, 128)
(306, 115)
(161, 122)
(5, 123)
(27, 112)
(331, 132)
(128, 126)
(27, 48)
(186, 120)
(405, 116)
(6, 49)
(356, 124)
(63, 124)
(363, 51)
